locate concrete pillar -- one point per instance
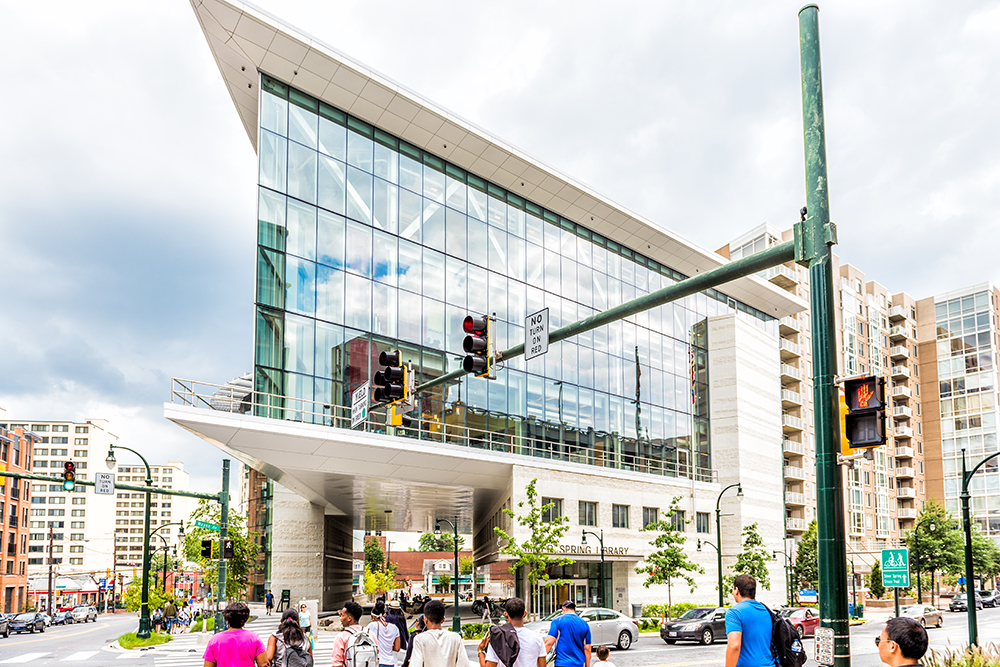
(297, 561)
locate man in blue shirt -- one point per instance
(571, 636)
(748, 628)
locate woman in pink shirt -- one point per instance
(235, 647)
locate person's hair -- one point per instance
(419, 623)
(290, 630)
(515, 608)
(378, 609)
(434, 611)
(236, 615)
(354, 609)
(909, 635)
(603, 652)
(746, 585)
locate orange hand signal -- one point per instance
(865, 392)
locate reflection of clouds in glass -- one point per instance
(301, 278)
(358, 302)
(299, 348)
(330, 294)
(359, 248)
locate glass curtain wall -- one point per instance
(366, 243)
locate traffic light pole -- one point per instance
(818, 237)
(223, 534)
(970, 587)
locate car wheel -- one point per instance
(42, 629)
(940, 620)
(624, 640)
(802, 631)
(707, 637)
(31, 630)
(923, 623)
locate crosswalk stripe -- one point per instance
(26, 657)
(80, 655)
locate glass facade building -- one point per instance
(367, 243)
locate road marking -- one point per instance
(27, 657)
(80, 655)
(41, 637)
(681, 664)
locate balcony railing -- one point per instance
(899, 372)
(781, 275)
(792, 447)
(793, 523)
(904, 452)
(789, 324)
(897, 313)
(791, 423)
(538, 438)
(904, 472)
(902, 411)
(900, 391)
(906, 492)
(795, 472)
(789, 349)
(898, 352)
(791, 397)
(899, 333)
(904, 432)
(906, 513)
(797, 499)
(791, 372)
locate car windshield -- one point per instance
(25, 617)
(697, 613)
(914, 609)
(792, 613)
(959, 596)
(553, 616)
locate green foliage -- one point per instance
(979, 656)
(197, 625)
(669, 560)
(807, 558)
(444, 581)
(377, 581)
(875, 587)
(129, 641)
(752, 560)
(671, 611)
(535, 553)
(466, 564)
(446, 542)
(244, 547)
(475, 630)
(985, 555)
(940, 549)
(133, 596)
(374, 555)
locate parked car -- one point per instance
(805, 619)
(701, 624)
(4, 625)
(989, 598)
(63, 618)
(960, 603)
(84, 613)
(607, 626)
(46, 618)
(28, 622)
(926, 614)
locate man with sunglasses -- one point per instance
(903, 642)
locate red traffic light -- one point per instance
(69, 466)
(389, 358)
(475, 325)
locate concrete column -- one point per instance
(297, 546)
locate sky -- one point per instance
(127, 205)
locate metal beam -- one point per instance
(126, 487)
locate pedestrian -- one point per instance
(269, 602)
(602, 657)
(418, 627)
(350, 615)
(394, 614)
(169, 616)
(236, 647)
(157, 619)
(385, 635)
(570, 635)
(436, 647)
(748, 627)
(903, 642)
(184, 617)
(288, 635)
(305, 620)
(531, 646)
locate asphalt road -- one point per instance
(78, 643)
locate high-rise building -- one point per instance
(15, 503)
(165, 511)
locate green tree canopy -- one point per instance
(446, 542)
(374, 555)
(669, 560)
(244, 547)
(753, 559)
(444, 580)
(807, 558)
(133, 596)
(875, 587)
(935, 544)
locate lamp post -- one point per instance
(916, 548)
(788, 573)
(709, 544)
(600, 538)
(970, 589)
(144, 631)
(718, 527)
(456, 621)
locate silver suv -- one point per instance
(84, 614)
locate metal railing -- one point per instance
(791, 322)
(900, 371)
(529, 437)
(795, 498)
(795, 472)
(790, 347)
(794, 523)
(791, 371)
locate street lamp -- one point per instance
(970, 590)
(456, 622)
(718, 528)
(600, 538)
(916, 548)
(145, 626)
(788, 573)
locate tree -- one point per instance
(985, 555)
(875, 587)
(534, 554)
(374, 556)
(940, 549)
(244, 547)
(133, 597)
(807, 558)
(377, 581)
(444, 580)
(444, 542)
(753, 559)
(669, 560)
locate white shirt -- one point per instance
(532, 648)
(385, 638)
(438, 648)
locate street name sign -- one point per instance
(895, 568)
(104, 484)
(359, 404)
(824, 646)
(536, 334)
(102, 584)
(206, 525)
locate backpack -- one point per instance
(504, 641)
(785, 643)
(361, 650)
(297, 656)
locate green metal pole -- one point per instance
(970, 591)
(817, 237)
(604, 576)
(145, 629)
(718, 530)
(916, 549)
(223, 534)
(456, 621)
(895, 600)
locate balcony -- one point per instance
(790, 423)
(11, 551)
(790, 399)
(899, 333)
(904, 431)
(795, 473)
(898, 353)
(798, 525)
(902, 412)
(789, 325)
(904, 473)
(897, 313)
(904, 452)
(790, 373)
(906, 492)
(795, 499)
(789, 350)
(782, 276)
(900, 372)
(792, 447)
(906, 513)
(900, 391)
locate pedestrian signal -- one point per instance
(69, 475)
(478, 346)
(864, 423)
(206, 548)
(228, 549)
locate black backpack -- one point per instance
(505, 643)
(785, 643)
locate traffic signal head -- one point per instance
(228, 549)
(206, 548)
(477, 345)
(69, 475)
(864, 423)
(391, 379)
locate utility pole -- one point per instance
(223, 534)
(817, 237)
(48, 607)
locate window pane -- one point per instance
(300, 277)
(359, 195)
(271, 219)
(302, 125)
(477, 204)
(359, 248)
(433, 225)
(329, 337)
(455, 194)
(434, 280)
(270, 278)
(385, 206)
(385, 258)
(273, 152)
(384, 310)
(329, 294)
(331, 239)
(301, 229)
(299, 347)
(456, 278)
(302, 172)
(433, 184)
(456, 237)
(332, 138)
(409, 266)
(433, 324)
(269, 338)
(358, 302)
(386, 163)
(273, 113)
(332, 185)
(410, 213)
(359, 150)
(410, 174)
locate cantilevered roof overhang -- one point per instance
(246, 40)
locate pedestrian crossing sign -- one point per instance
(895, 568)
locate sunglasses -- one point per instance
(878, 640)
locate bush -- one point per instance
(130, 641)
(649, 625)
(980, 656)
(657, 610)
(197, 625)
(475, 630)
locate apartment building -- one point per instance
(15, 505)
(166, 512)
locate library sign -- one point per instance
(588, 550)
